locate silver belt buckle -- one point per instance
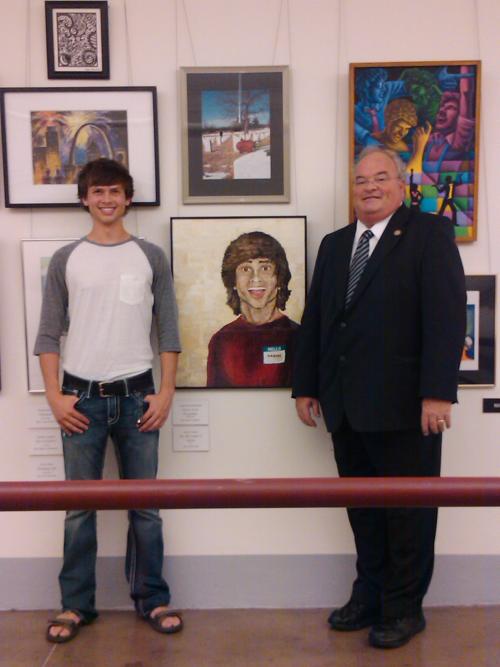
(101, 390)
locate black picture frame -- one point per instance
(477, 368)
(235, 135)
(119, 122)
(77, 37)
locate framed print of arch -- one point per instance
(50, 133)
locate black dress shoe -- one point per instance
(394, 632)
(352, 616)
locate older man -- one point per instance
(379, 350)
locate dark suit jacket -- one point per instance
(401, 337)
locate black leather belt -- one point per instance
(123, 387)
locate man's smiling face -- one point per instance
(107, 204)
(378, 189)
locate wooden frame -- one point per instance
(50, 133)
(477, 368)
(215, 309)
(428, 112)
(235, 134)
(77, 40)
(36, 255)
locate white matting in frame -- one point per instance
(477, 368)
(36, 255)
(49, 133)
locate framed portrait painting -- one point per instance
(36, 256)
(240, 285)
(50, 133)
(428, 113)
(77, 40)
(235, 134)
(477, 368)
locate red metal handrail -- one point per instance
(237, 493)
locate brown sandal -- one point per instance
(69, 624)
(155, 622)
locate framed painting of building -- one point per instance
(50, 133)
(235, 134)
(77, 40)
(240, 284)
(428, 113)
(477, 368)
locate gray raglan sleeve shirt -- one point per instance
(165, 306)
(54, 313)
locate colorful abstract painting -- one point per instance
(429, 114)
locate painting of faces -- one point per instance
(428, 114)
(240, 287)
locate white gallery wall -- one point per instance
(254, 433)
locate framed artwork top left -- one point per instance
(49, 134)
(77, 40)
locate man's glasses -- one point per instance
(379, 179)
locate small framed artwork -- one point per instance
(50, 133)
(240, 285)
(235, 134)
(36, 256)
(428, 113)
(77, 40)
(477, 368)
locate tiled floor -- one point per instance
(455, 637)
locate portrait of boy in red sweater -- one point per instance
(256, 349)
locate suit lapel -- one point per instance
(393, 233)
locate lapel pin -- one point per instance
(397, 232)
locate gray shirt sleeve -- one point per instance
(164, 304)
(54, 313)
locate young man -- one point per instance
(108, 285)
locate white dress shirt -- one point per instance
(377, 229)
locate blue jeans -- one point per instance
(137, 456)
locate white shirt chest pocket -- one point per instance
(132, 288)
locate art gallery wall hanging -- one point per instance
(428, 113)
(50, 133)
(477, 368)
(240, 285)
(77, 39)
(234, 126)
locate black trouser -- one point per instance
(395, 545)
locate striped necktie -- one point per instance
(358, 264)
